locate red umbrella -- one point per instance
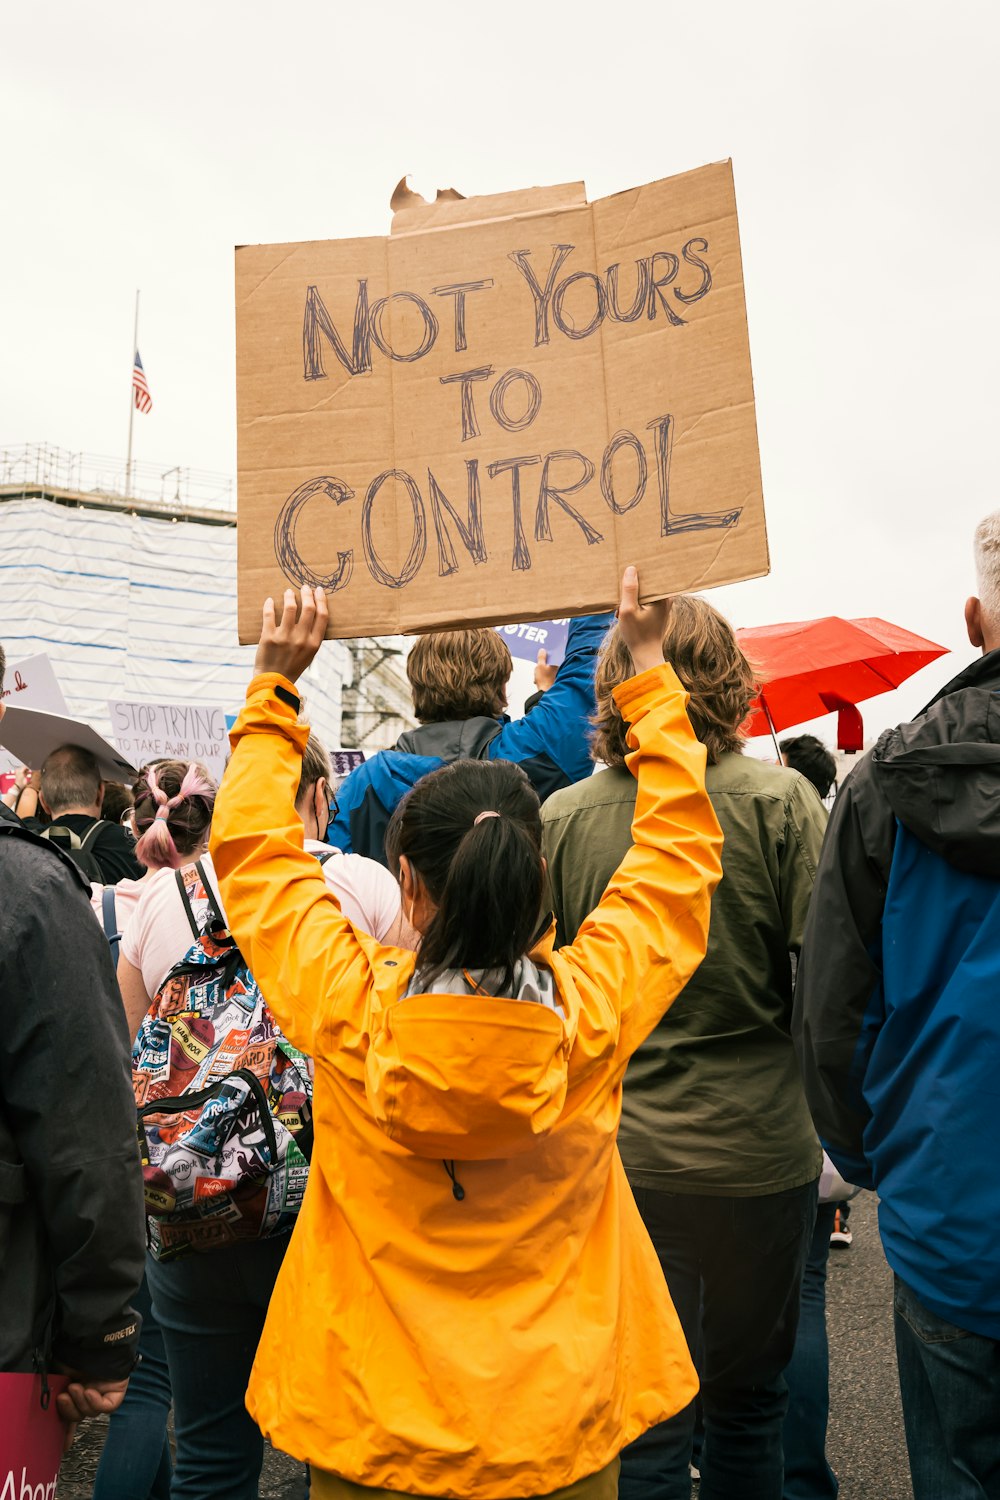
(812, 667)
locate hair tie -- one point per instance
(487, 813)
(163, 813)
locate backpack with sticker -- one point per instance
(224, 1100)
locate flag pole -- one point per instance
(131, 399)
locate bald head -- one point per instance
(71, 782)
(982, 611)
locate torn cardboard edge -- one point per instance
(463, 213)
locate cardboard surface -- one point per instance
(31, 735)
(175, 731)
(438, 456)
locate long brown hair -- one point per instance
(701, 646)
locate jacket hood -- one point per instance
(457, 739)
(466, 1076)
(391, 774)
(941, 773)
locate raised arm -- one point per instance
(551, 742)
(302, 951)
(639, 947)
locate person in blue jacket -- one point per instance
(459, 684)
(897, 1026)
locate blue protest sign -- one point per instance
(525, 641)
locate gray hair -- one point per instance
(71, 777)
(987, 551)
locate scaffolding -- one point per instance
(41, 469)
(376, 701)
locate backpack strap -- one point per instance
(63, 837)
(327, 854)
(110, 921)
(91, 834)
(108, 913)
(213, 899)
(179, 877)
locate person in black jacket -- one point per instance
(72, 793)
(72, 1227)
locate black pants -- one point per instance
(734, 1270)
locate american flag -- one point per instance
(143, 400)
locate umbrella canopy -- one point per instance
(812, 667)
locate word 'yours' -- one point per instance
(660, 285)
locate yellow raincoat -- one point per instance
(510, 1342)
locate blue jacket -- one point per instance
(550, 743)
(897, 1004)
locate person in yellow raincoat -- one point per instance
(470, 1305)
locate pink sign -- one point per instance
(31, 1439)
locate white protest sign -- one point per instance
(31, 683)
(343, 762)
(170, 731)
(525, 641)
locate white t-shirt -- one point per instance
(127, 893)
(158, 933)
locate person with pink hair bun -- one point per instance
(173, 814)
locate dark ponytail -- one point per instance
(485, 878)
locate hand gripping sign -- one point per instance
(481, 418)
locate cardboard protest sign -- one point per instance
(174, 731)
(483, 417)
(32, 735)
(525, 641)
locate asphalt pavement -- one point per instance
(866, 1446)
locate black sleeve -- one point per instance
(67, 1097)
(114, 851)
(838, 989)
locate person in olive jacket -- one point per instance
(72, 1226)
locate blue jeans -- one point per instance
(808, 1476)
(949, 1380)
(135, 1460)
(734, 1270)
(211, 1308)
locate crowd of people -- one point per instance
(478, 1127)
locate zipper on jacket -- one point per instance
(42, 1369)
(457, 1190)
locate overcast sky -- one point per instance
(141, 144)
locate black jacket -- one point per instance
(72, 1228)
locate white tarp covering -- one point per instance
(135, 608)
